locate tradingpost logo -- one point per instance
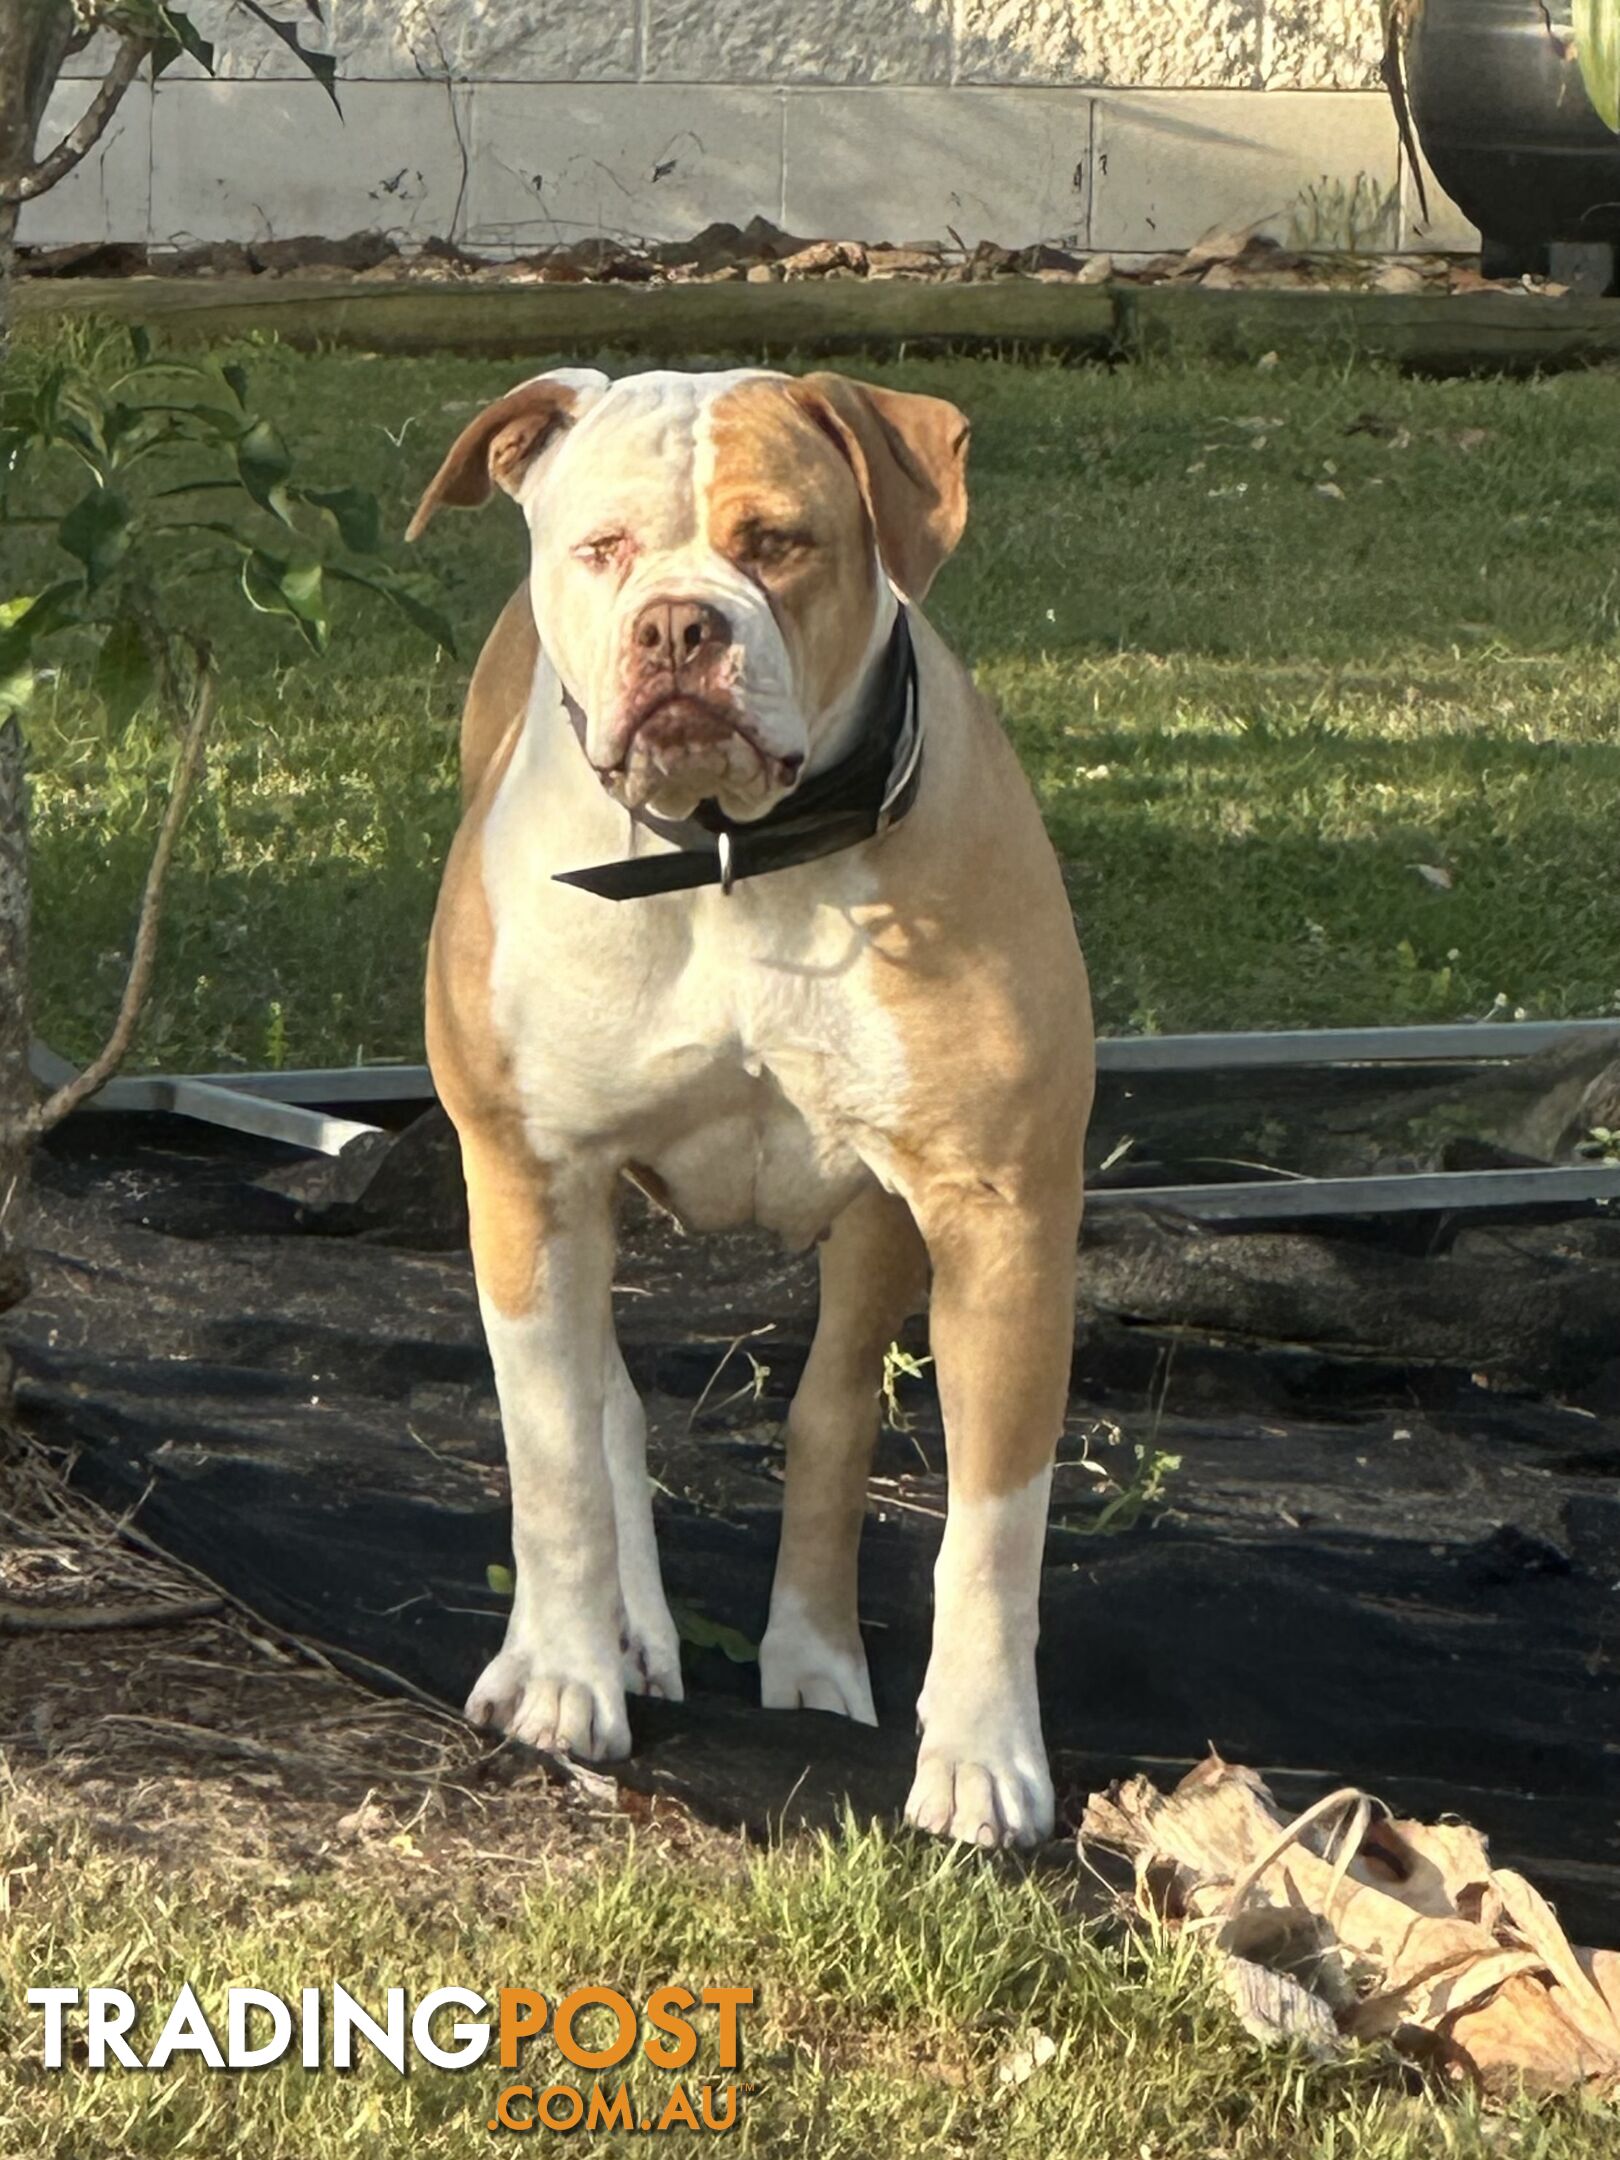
(595, 2059)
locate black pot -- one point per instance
(1504, 119)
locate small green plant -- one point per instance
(1355, 218)
(1602, 1144)
(148, 479)
(1130, 1499)
(899, 1365)
(275, 1037)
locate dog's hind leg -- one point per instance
(873, 1274)
(652, 1650)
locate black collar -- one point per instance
(867, 791)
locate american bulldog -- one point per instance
(751, 903)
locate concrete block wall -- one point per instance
(1126, 125)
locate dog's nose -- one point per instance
(675, 633)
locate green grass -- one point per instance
(1251, 710)
(892, 1980)
(1248, 715)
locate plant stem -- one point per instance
(143, 959)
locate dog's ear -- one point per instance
(910, 459)
(498, 448)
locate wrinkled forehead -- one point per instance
(675, 457)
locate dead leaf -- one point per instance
(1434, 874)
(1220, 244)
(1338, 1925)
(1275, 2007)
(367, 1820)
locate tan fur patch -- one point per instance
(985, 986)
(498, 695)
(874, 1273)
(506, 1183)
(774, 472)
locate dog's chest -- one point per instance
(732, 1051)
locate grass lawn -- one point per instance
(896, 1983)
(1270, 644)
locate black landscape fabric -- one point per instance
(1368, 1567)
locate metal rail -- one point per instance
(290, 1107)
(1469, 1042)
(211, 1103)
(1424, 1192)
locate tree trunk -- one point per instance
(16, 1087)
(35, 37)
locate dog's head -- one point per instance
(715, 560)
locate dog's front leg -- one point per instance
(542, 1239)
(1002, 1333)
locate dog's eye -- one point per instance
(767, 547)
(601, 550)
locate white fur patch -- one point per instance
(557, 1681)
(800, 1670)
(651, 1646)
(982, 1775)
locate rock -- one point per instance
(768, 242)
(762, 273)
(83, 258)
(1033, 260)
(722, 246)
(1095, 272)
(903, 261)
(1398, 277)
(308, 251)
(988, 261)
(822, 256)
(215, 258)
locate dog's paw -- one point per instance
(980, 1793)
(650, 1649)
(579, 1716)
(798, 1670)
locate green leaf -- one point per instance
(23, 622)
(173, 34)
(702, 1633)
(123, 677)
(421, 614)
(295, 590)
(16, 688)
(97, 531)
(1596, 24)
(140, 343)
(262, 466)
(353, 511)
(235, 380)
(500, 1579)
(321, 65)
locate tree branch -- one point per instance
(144, 957)
(80, 140)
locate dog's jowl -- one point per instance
(750, 899)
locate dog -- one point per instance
(751, 902)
